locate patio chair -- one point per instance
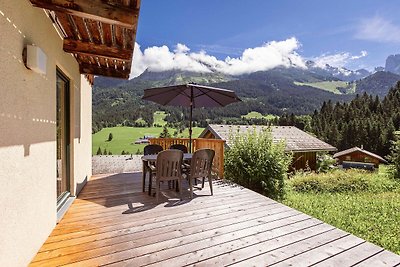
(150, 150)
(180, 147)
(200, 167)
(168, 168)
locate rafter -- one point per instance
(107, 12)
(92, 49)
(85, 68)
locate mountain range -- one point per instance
(276, 91)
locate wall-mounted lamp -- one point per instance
(35, 59)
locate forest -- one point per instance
(365, 121)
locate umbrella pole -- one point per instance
(190, 119)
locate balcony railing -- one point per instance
(198, 143)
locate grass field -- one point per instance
(124, 138)
(365, 204)
(330, 86)
(258, 115)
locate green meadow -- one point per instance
(124, 138)
(366, 204)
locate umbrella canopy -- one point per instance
(190, 95)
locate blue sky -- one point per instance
(352, 33)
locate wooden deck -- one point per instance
(114, 223)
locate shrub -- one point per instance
(339, 181)
(325, 162)
(110, 137)
(394, 158)
(99, 151)
(256, 162)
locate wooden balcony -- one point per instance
(113, 223)
(198, 143)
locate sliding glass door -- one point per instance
(63, 124)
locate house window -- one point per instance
(348, 158)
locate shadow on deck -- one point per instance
(113, 222)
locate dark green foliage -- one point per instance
(165, 133)
(109, 153)
(365, 121)
(99, 151)
(255, 162)
(394, 158)
(105, 152)
(110, 137)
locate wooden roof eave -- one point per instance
(98, 52)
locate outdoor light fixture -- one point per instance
(35, 59)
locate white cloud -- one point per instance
(265, 57)
(378, 29)
(337, 60)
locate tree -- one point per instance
(98, 151)
(165, 133)
(110, 137)
(394, 158)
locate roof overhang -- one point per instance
(99, 33)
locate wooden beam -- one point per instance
(99, 10)
(85, 68)
(91, 49)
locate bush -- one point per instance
(257, 163)
(341, 181)
(394, 158)
(325, 162)
(110, 137)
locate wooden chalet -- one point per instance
(303, 145)
(358, 155)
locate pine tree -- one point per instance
(98, 151)
(110, 137)
(165, 133)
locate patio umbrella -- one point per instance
(190, 95)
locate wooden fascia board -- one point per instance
(85, 68)
(92, 49)
(93, 9)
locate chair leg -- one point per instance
(210, 182)
(191, 187)
(202, 183)
(157, 191)
(150, 181)
(180, 187)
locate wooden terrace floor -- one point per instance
(114, 223)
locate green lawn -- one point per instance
(124, 138)
(368, 206)
(258, 115)
(159, 117)
(330, 86)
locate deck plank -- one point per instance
(113, 222)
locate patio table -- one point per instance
(152, 159)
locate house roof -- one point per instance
(100, 34)
(296, 139)
(357, 149)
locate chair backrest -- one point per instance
(180, 147)
(169, 165)
(201, 163)
(152, 149)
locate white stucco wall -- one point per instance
(28, 133)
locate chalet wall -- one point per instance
(303, 160)
(358, 156)
(28, 131)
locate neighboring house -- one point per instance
(46, 110)
(303, 145)
(358, 155)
